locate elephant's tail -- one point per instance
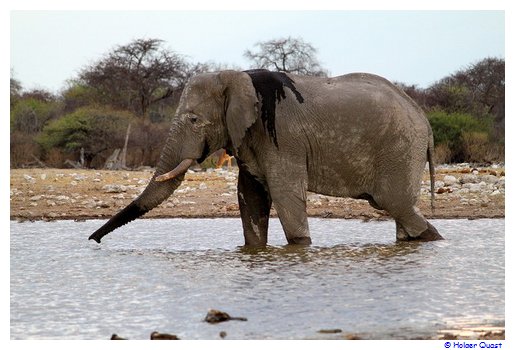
(430, 149)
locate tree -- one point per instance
(477, 89)
(485, 82)
(76, 95)
(291, 55)
(136, 75)
(15, 90)
(15, 87)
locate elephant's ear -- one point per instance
(241, 105)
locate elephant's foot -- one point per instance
(254, 246)
(299, 240)
(430, 234)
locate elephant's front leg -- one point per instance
(289, 194)
(255, 203)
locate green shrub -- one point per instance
(94, 129)
(30, 115)
(77, 95)
(463, 138)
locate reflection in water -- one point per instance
(326, 256)
(355, 278)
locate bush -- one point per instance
(461, 137)
(442, 154)
(479, 149)
(30, 115)
(94, 129)
(77, 95)
(23, 149)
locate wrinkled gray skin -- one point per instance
(355, 136)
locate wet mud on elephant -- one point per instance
(356, 136)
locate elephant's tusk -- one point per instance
(178, 170)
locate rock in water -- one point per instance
(215, 316)
(330, 331)
(163, 336)
(117, 337)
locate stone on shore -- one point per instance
(449, 180)
(114, 188)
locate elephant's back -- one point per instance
(366, 104)
(368, 96)
(366, 79)
(373, 85)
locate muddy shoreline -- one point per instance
(463, 191)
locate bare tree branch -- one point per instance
(291, 55)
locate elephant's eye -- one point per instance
(193, 118)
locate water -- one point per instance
(165, 274)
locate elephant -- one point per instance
(355, 135)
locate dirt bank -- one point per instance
(47, 194)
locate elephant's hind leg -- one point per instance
(429, 234)
(412, 226)
(255, 203)
(410, 223)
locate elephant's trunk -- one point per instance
(154, 194)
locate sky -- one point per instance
(415, 47)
